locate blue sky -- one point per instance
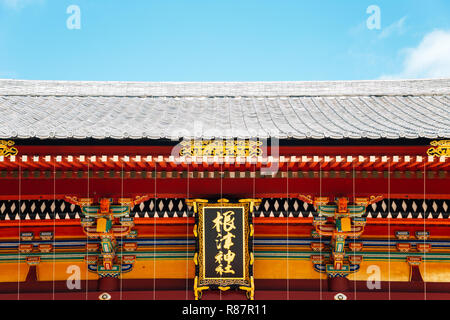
(224, 40)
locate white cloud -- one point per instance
(395, 28)
(431, 59)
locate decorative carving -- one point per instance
(26, 236)
(339, 220)
(414, 261)
(45, 247)
(422, 235)
(25, 248)
(355, 246)
(7, 149)
(403, 247)
(221, 148)
(402, 235)
(46, 235)
(130, 246)
(440, 148)
(100, 222)
(423, 247)
(33, 261)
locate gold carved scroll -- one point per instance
(440, 148)
(7, 149)
(221, 148)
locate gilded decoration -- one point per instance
(7, 149)
(221, 148)
(440, 148)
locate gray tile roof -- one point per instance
(343, 109)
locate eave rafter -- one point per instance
(171, 163)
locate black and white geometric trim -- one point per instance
(269, 207)
(163, 208)
(387, 208)
(38, 210)
(410, 208)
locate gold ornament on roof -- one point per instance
(440, 148)
(7, 149)
(221, 148)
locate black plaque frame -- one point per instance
(243, 282)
